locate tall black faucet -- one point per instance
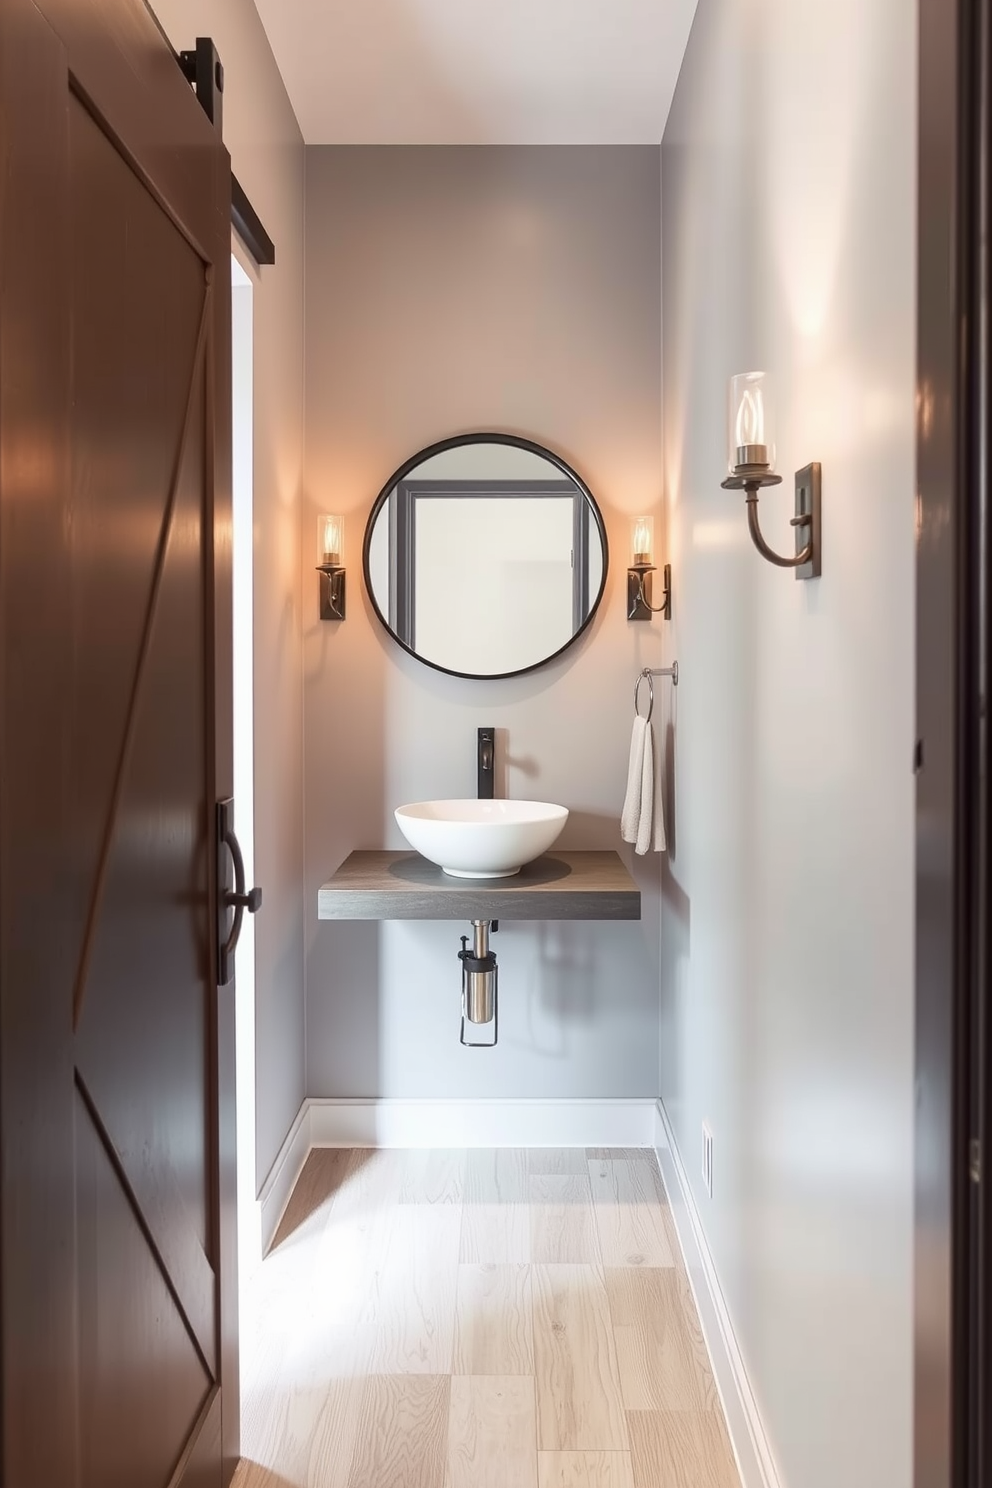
(487, 764)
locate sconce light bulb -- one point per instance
(642, 541)
(750, 418)
(750, 435)
(329, 535)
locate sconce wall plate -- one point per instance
(640, 593)
(807, 521)
(332, 591)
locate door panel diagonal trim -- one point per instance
(185, 1269)
(100, 875)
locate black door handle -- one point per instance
(236, 898)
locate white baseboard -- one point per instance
(755, 1461)
(448, 1123)
(283, 1175)
(482, 1123)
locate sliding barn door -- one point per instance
(117, 1253)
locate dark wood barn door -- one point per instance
(118, 1279)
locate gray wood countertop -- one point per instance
(405, 886)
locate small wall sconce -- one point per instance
(639, 606)
(751, 461)
(330, 542)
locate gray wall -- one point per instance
(788, 171)
(266, 147)
(451, 289)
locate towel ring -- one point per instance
(644, 676)
(648, 675)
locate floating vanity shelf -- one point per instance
(405, 886)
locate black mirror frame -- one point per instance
(455, 442)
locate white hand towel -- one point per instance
(646, 821)
(642, 821)
(659, 840)
(630, 817)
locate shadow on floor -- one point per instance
(325, 1173)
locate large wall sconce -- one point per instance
(639, 606)
(751, 461)
(330, 535)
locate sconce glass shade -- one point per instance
(642, 542)
(330, 539)
(750, 439)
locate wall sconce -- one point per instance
(330, 535)
(751, 461)
(639, 606)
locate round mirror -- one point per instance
(485, 556)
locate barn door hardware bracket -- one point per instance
(204, 71)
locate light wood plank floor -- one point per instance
(480, 1319)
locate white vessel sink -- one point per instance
(481, 839)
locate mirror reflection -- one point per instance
(485, 556)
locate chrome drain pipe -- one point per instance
(480, 985)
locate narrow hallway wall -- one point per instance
(788, 186)
(266, 147)
(449, 290)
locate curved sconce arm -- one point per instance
(807, 560)
(804, 556)
(639, 592)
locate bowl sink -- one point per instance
(481, 839)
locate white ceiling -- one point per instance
(444, 72)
